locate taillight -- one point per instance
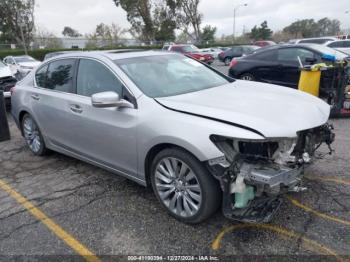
(233, 63)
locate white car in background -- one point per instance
(7, 81)
(214, 51)
(340, 45)
(21, 65)
(315, 40)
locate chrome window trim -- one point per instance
(78, 57)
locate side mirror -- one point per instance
(109, 99)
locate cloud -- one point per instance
(84, 15)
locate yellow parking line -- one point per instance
(331, 179)
(50, 224)
(317, 213)
(277, 229)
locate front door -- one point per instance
(104, 135)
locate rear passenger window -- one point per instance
(266, 55)
(93, 77)
(346, 44)
(40, 76)
(60, 75)
(336, 44)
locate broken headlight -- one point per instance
(255, 150)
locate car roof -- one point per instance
(114, 54)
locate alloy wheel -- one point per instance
(178, 187)
(32, 135)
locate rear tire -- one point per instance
(184, 186)
(247, 77)
(33, 137)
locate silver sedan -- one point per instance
(200, 139)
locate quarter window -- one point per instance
(40, 77)
(60, 75)
(93, 77)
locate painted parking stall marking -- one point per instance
(279, 230)
(73, 243)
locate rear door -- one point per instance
(263, 66)
(51, 100)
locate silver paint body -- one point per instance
(119, 139)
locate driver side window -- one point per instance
(94, 77)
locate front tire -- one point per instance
(33, 137)
(184, 186)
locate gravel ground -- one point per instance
(113, 216)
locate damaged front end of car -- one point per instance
(254, 174)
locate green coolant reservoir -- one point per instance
(241, 199)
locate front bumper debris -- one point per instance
(260, 210)
(255, 174)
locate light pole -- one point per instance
(234, 20)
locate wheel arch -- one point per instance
(21, 114)
(152, 152)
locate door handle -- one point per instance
(35, 97)
(76, 109)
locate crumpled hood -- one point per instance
(273, 111)
(5, 71)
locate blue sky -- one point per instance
(83, 15)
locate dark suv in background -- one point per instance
(236, 51)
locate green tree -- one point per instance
(70, 32)
(17, 20)
(190, 18)
(261, 33)
(139, 14)
(157, 19)
(165, 20)
(310, 28)
(208, 34)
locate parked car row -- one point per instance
(7, 81)
(279, 64)
(190, 50)
(341, 44)
(21, 65)
(236, 51)
(13, 69)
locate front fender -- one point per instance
(189, 132)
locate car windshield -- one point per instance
(2, 64)
(169, 75)
(190, 48)
(23, 59)
(329, 51)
